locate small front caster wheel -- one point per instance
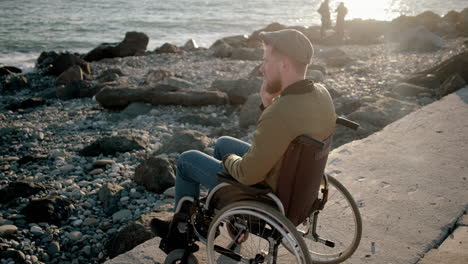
(175, 257)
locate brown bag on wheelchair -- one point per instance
(300, 176)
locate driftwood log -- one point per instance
(120, 97)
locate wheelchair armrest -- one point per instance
(257, 189)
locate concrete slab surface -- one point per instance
(411, 180)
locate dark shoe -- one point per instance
(159, 227)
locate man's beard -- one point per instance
(274, 86)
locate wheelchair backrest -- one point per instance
(300, 176)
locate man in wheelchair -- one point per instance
(292, 106)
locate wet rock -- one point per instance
(237, 90)
(167, 48)
(14, 83)
(250, 111)
(50, 210)
(20, 189)
(190, 45)
(26, 104)
(53, 248)
(8, 70)
(74, 73)
(133, 43)
(155, 174)
(110, 195)
(52, 63)
(102, 163)
(111, 145)
(183, 140)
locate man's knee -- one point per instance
(188, 156)
(223, 140)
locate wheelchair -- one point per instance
(309, 219)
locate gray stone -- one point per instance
(16, 255)
(420, 39)
(111, 145)
(222, 50)
(122, 215)
(6, 230)
(190, 45)
(452, 84)
(156, 174)
(109, 195)
(406, 89)
(36, 230)
(156, 76)
(102, 163)
(74, 73)
(315, 75)
(183, 140)
(53, 248)
(74, 236)
(135, 109)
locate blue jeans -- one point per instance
(195, 167)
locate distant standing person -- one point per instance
(341, 13)
(324, 11)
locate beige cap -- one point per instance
(289, 42)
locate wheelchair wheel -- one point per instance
(271, 236)
(338, 226)
(175, 257)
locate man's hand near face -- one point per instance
(267, 97)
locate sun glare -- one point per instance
(370, 9)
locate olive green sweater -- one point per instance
(304, 108)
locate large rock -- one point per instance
(111, 145)
(120, 97)
(135, 109)
(28, 103)
(156, 174)
(110, 75)
(13, 83)
(167, 48)
(8, 70)
(250, 111)
(76, 89)
(134, 234)
(183, 140)
(452, 84)
(462, 25)
(238, 41)
(109, 195)
(74, 73)
(420, 39)
(51, 210)
(335, 57)
(237, 90)
(20, 189)
(190, 45)
(52, 63)
(221, 50)
(133, 43)
(406, 89)
(382, 112)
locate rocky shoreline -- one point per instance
(87, 147)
